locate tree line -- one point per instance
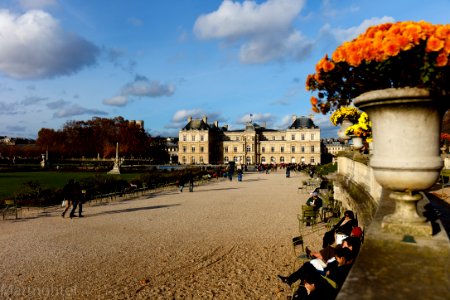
(94, 138)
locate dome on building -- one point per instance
(302, 122)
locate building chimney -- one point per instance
(205, 119)
(294, 118)
(216, 123)
(189, 119)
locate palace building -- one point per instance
(204, 143)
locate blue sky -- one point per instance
(162, 61)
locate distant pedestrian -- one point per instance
(230, 172)
(239, 174)
(68, 192)
(288, 172)
(191, 182)
(181, 182)
(77, 200)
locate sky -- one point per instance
(161, 61)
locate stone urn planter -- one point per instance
(406, 126)
(357, 142)
(341, 132)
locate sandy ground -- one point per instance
(226, 240)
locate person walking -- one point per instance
(181, 182)
(68, 195)
(77, 201)
(239, 174)
(191, 182)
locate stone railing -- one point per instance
(357, 188)
(389, 265)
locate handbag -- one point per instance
(64, 203)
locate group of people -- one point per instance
(323, 276)
(186, 178)
(74, 198)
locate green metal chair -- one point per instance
(308, 216)
(10, 208)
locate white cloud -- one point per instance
(33, 4)
(265, 29)
(34, 46)
(76, 110)
(143, 87)
(258, 118)
(57, 104)
(349, 34)
(116, 101)
(31, 100)
(182, 115)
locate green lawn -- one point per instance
(13, 181)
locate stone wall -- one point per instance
(391, 266)
(357, 188)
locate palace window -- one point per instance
(184, 149)
(184, 138)
(312, 136)
(249, 148)
(201, 159)
(302, 149)
(193, 138)
(293, 149)
(281, 149)
(226, 149)
(282, 159)
(263, 159)
(303, 137)
(235, 149)
(272, 159)
(193, 149)
(272, 149)
(312, 160)
(202, 138)
(312, 149)
(263, 149)
(202, 149)
(293, 137)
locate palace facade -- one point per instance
(203, 143)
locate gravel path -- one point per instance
(226, 240)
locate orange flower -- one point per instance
(314, 101)
(412, 33)
(338, 55)
(391, 48)
(442, 59)
(315, 109)
(370, 61)
(434, 44)
(447, 46)
(328, 66)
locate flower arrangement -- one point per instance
(345, 112)
(361, 129)
(390, 55)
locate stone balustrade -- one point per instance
(390, 266)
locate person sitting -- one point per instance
(314, 201)
(341, 230)
(313, 285)
(344, 262)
